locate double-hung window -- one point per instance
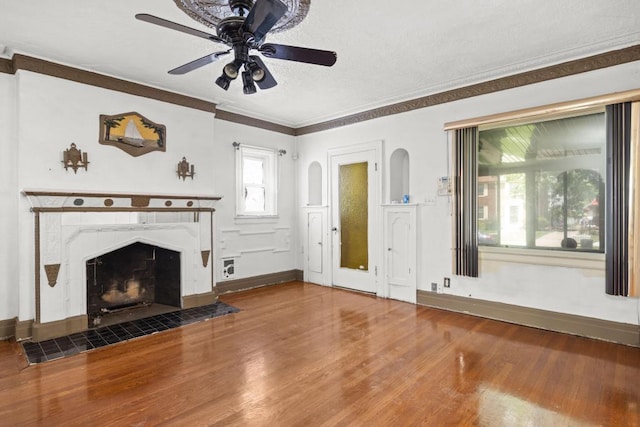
(256, 182)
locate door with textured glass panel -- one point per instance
(354, 202)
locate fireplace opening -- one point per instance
(135, 279)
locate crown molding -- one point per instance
(578, 66)
(41, 66)
(6, 66)
(257, 123)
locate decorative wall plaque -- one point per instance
(205, 258)
(52, 271)
(140, 201)
(132, 133)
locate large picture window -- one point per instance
(567, 182)
(256, 181)
(543, 183)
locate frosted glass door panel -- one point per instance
(355, 225)
(354, 215)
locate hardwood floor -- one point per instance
(305, 355)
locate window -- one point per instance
(483, 189)
(256, 181)
(560, 181)
(483, 213)
(547, 181)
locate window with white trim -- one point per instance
(256, 181)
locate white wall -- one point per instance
(420, 132)
(259, 246)
(8, 200)
(53, 113)
(40, 116)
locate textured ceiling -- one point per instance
(387, 51)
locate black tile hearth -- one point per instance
(56, 348)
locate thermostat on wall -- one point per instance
(444, 186)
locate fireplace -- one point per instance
(135, 276)
(97, 254)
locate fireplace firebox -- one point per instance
(135, 276)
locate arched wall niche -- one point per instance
(315, 184)
(399, 175)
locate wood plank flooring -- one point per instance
(306, 355)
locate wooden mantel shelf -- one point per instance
(55, 201)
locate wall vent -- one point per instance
(228, 268)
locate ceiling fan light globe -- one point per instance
(258, 74)
(230, 70)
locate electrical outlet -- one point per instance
(447, 282)
(434, 287)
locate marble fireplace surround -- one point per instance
(73, 227)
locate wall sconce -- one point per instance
(185, 170)
(74, 159)
(282, 152)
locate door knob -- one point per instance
(334, 229)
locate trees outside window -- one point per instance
(543, 183)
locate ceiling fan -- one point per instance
(243, 32)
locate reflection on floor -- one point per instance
(37, 352)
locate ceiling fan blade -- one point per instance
(178, 27)
(268, 81)
(299, 54)
(262, 17)
(200, 62)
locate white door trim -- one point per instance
(375, 215)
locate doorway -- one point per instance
(355, 196)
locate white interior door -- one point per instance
(400, 252)
(315, 246)
(355, 194)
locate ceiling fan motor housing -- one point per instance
(230, 29)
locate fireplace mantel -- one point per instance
(70, 227)
(50, 201)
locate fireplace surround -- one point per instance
(73, 230)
